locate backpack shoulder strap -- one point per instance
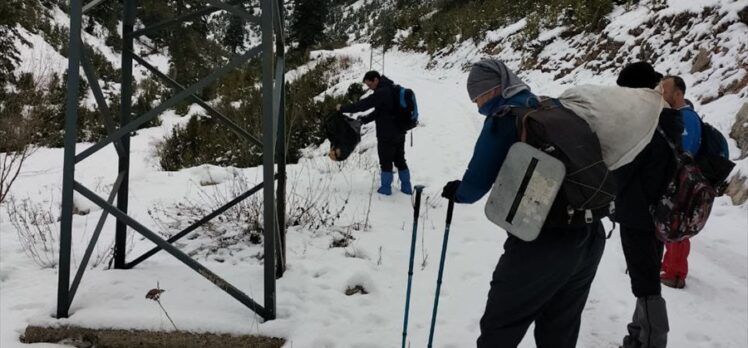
(523, 112)
(396, 96)
(671, 144)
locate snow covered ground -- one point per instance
(313, 310)
(312, 307)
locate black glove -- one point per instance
(450, 189)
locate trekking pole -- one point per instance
(450, 209)
(416, 212)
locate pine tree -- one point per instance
(234, 37)
(308, 22)
(8, 55)
(385, 36)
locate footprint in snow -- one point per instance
(470, 275)
(694, 337)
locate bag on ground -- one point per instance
(344, 134)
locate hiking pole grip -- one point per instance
(416, 213)
(417, 207)
(450, 210)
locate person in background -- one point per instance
(641, 183)
(390, 138)
(675, 262)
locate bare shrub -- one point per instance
(313, 203)
(19, 120)
(10, 167)
(34, 224)
(37, 228)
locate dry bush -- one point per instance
(10, 167)
(18, 122)
(35, 227)
(314, 205)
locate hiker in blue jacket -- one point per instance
(675, 262)
(545, 281)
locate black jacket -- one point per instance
(383, 102)
(642, 182)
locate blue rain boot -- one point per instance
(386, 188)
(405, 186)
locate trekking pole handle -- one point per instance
(450, 210)
(417, 208)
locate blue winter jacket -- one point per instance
(691, 130)
(495, 139)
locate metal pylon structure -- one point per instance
(272, 142)
(376, 58)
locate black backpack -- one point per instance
(589, 189)
(713, 158)
(406, 108)
(343, 132)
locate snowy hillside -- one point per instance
(365, 241)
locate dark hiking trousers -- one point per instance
(546, 281)
(643, 253)
(392, 150)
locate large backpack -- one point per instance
(406, 108)
(684, 208)
(589, 188)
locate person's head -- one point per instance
(490, 78)
(674, 91)
(639, 75)
(371, 79)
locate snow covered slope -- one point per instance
(313, 309)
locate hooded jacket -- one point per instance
(495, 139)
(498, 135)
(383, 102)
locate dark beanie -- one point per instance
(639, 75)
